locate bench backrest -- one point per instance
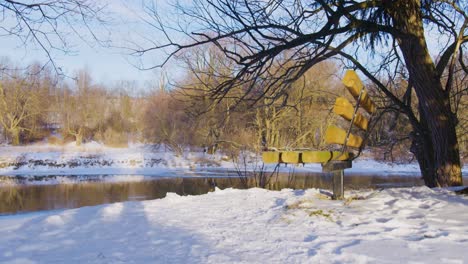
(344, 108)
(334, 134)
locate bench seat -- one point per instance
(295, 157)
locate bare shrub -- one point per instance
(251, 171)
(113, 138)
(54, 140)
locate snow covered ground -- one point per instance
(96, 159)
(407, 225)
(416, 225)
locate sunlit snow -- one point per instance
(416, 225)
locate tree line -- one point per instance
(37, 105)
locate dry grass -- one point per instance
(306, 206)
(348, 200)
(320, 213)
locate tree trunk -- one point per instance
(421, 147)
(15, 136)
(434, 103)
(79, 137)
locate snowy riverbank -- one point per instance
(416, 225)
(96, 159)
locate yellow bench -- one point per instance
(336, 161)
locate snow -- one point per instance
(96, 159)
(408, 225)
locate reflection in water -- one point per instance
(24, 198)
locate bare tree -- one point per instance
(49, 24)
(21, 102)
(376, 37)
(165, 122)
(206, 68)
(83, 109)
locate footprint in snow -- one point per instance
(311, 252)
(391, 202)
(383, 220)
(435, 234)
(427, 235)
(280, 202)
(430, 205)
(310, 238)
(415, 216)
(339, 249)
(424, 206)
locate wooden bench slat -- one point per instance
(336, 135)
(345, 109)
(271, 157)
(324, 156)
(354, 85)
(291, 157)
(295, 157)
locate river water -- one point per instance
(80, 191)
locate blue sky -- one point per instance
(106, 64)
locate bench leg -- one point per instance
(338, 185)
